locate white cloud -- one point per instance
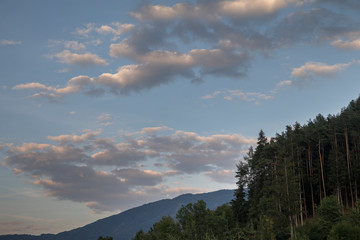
(347, 45)
(252, 8)
(104, 119)
(159, 12)
(29, 147)
(117, 29)
(74, 85)
(74, 45)
(246, 96)
(85, 32)
(212, 10)
(254, 97)
(312, 70)
(9, 42)
(75, 138)
(239, 95)
(281, 86)
(83, 60)
(33, 85)
(154, 130)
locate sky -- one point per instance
(108, 105)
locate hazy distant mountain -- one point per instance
(124, 226)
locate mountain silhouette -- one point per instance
(123, 226)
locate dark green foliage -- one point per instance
(288, 176)
(239, 204)
(194, 221)
(329, 212)
(344, 231)
(105, 238)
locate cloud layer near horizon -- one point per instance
(107, 175)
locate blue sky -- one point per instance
(107, 105)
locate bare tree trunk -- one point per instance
(348, 164)
(311, 186)
(322, 168)
(288, 198)
(338, 193)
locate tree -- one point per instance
(105, 238)
(240, 204)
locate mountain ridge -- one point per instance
(123, 226)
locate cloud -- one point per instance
(9, 42)
(138, 77)
(224, 176)
(104, 119)
(83, 60)
(21, 226)
(254, 97)
(351, 4)
(211, 10)
(116, 29)
(74, 85)
(161, 67)
(72, 166)
(154, 68)
(313, 70)
(75, 138)
(85, 32)
(154, 130)
(163, 46)
(239, 95)
(137, 177)
(347, 45)
(317, 25)
(73, 45)
(281, 86)
(251, 8)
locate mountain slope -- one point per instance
(123, 226)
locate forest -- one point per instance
(301, 184)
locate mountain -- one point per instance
(124, 226)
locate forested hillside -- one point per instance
(123, 226)
(301, 184)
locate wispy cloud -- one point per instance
(74, 85)
(117, 29)
(313, 70)
(9, 42)
(254, 97)
(104, 119)
(347, 45)
(80, 59)
(72, 45)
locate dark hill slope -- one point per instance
(123, 226)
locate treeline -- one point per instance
(289, 175)
(194, 221)
(301, 184)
